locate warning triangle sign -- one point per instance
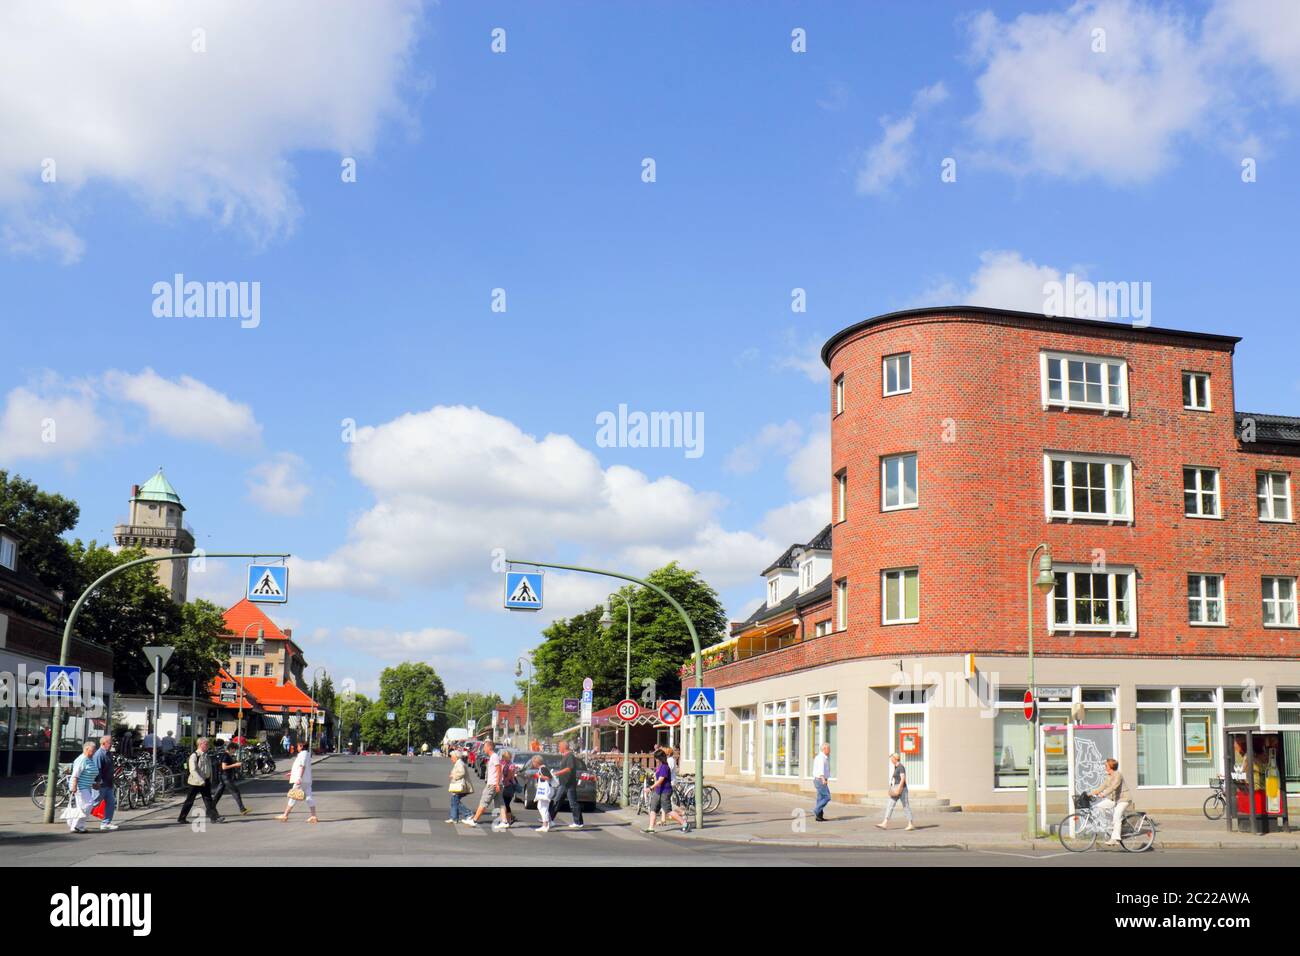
(62, 684)
(266, 586)
(523, 592)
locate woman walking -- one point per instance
(661, 795)
(459, 786)
(543, 792)
(300, 787)
(509, 787)
(84, 774)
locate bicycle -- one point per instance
(1216, 804)
(684, 790)
(1078, 831)
(62, 790)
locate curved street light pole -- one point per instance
(1044, 583)
(699, 662)
(56, 720)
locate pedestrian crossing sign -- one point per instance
(523, 590)
(701, 701)
(268, 583)
(62, 682)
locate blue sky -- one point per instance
(522, 170)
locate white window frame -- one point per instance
(884, 481)
(1204, 379)
(839, 394)
(898, 359)
(1204, 601)
(822, 628)
(1261, 500)
(8, 552)
(1199, 491)
(815, 712)
(842, 604)
(842, 495)
(1177, 705)
(1076, 697)
(1065, 402)
(805, 575)
(1113, 572)
(900, 575)
(1276, 600)
(1069, 514)
(782, 721)
(773, 590)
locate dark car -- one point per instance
(528, 784)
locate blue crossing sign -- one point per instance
(523, 591)
(701, 701)
(268, 583)
(62, 681)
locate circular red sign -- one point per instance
(628, 710)
(670, 712)
(1029, 705)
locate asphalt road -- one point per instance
(389, 811)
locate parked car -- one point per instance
(528, 784)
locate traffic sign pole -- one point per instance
(699, 662)
(56, 719)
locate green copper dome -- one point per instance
(158, 488)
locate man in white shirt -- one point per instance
(822, 781)
(491, 798)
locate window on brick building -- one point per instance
(900, 596)
(1085, 599)
(821, 628)
(898, 482)
(1196, 391)
(841, 604)
(1089, 486)
(897, 374)
(1201, 492)
(8, 552)
(1081, 381)
(842, 496)
(1205, 599)
(839, 394)
(1279, 601)
(1273, 492)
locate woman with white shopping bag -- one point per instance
(459, 786)
(82, 785)
(300, 786)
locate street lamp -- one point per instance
(243, 666)
(1044, 583)
(528, 712)
(607, 621)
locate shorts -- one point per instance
(491, 797)
(661, 802)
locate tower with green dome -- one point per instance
(156, 525)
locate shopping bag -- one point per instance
(99, 809)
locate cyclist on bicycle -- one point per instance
(1114, 796)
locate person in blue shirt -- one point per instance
(104, 769)
(85, 777)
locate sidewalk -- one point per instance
(19, 815)
(761, 817)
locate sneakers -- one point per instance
(544, 828)
(909, 827)
(449, 820)
(245, 812)
(649, 830)
(108, 826)
(575, 826)
(471, 822)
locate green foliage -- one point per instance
(578, 647)
(324, 693)
(41, 518)
(409, 690)
(349, 713)
(477, 705)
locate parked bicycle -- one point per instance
(1216, 804)
(62, 790)
(1078, 832)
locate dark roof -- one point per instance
(818, 593)
(820, 542)
(1271, 429)
(1127, 327)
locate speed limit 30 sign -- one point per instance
(628, 710)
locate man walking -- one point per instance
(228, 762)
(199, 780)
(285, 742)
(897, 793)
(491, 788)
(104, 765)
(566, 783)
(822, 782)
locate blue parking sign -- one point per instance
(701, 701)
(62, 681)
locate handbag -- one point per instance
(296, 793)
(457, 786)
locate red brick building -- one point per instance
(961, 439)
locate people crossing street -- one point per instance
(228, 765)
(566, 778)
(199, 779)
(300, 787)
(107, 793)
(459, 786)
(491, 799)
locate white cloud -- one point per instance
(1050, 104)
(776, 438)
(186, 408)
(809, 468)
(117, 94)
(804, 356)
(1268, 29)
(1004, 280)
(889, 159)
(796, 522)
(49, 419)
(28, 235)
(276, 485)
(395, 645)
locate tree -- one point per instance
(476, 704)
(201, 646)
(409, 691)
(351, 709)
(578, 647)
(324, 693)
(42, 518)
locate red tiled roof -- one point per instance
(244, 615)
(263, 693)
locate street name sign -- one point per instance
(701, 701)
(268, 583)
(523, 591)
